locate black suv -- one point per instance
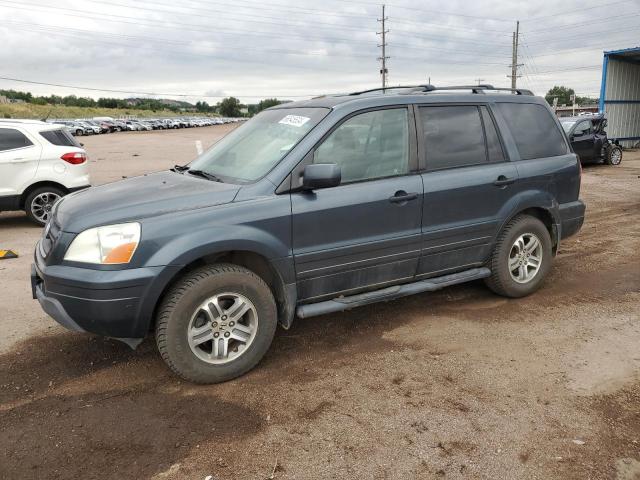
(310, 208)
(589, 139)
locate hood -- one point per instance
(139, 197)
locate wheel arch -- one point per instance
(34, 186)
(546, 216)
(284, 295)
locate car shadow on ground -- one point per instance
(16, 220)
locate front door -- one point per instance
(583, 140)
(364, 233)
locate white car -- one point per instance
(39, 163)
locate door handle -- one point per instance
(19, 160)
(502, 181)
(402, 197)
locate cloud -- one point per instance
(288, 49)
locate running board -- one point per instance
(390, 293)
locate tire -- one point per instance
(614, 155)
(524, 279)
(78, 132)
(182, 322)
(38, 203)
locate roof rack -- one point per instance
(431, 88)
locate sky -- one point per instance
(208, 49)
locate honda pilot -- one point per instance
(310, 208)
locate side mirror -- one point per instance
(321, 175)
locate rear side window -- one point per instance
(453, 136)
(534, 130)
(494, 148)
(11, 138)
(60, 137)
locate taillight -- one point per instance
(74, 158)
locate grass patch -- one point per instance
(33, 111)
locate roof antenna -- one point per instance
(47, 116)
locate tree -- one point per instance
(267, 103)
(229, 107)
(562, 93)
(203, 107)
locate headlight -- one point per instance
(111, 244)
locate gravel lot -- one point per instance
(457, 384)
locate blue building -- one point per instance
(620, 94)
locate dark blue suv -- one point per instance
(314, 207)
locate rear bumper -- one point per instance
(571, 218)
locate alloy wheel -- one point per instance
(222, 328)
(42, 204)
(525, 258)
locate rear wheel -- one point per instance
(521, 258)
(614, 155)
(216, 323)
(39, 203)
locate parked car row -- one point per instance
(81, 127)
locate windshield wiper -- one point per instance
(179, 168)
(203, 174)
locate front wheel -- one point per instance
(521, 258)
(216, 323)
(614, 155)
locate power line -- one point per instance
(78, 33)
(205, 28)
(572, 69)
(153, 94)
(54, 29)
(564, 26)
(541, 17)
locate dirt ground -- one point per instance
(457, 384)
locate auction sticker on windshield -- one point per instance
(294, 120)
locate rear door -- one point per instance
(467, 182)
(19, 157)
(365, 232)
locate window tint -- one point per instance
(369, 145)
(11, 138)
(583, 128)
(60, 137)
(534, 130)
(453, 136)
(494, 148)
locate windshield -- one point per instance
(250, 151)
(567, 124)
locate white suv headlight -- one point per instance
(112, 244)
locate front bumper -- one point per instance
(113, 303)
(571, 218)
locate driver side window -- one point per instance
(369, 145)
(583, 128)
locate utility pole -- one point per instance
(514, 56)
(383, 59)
(479, 80)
